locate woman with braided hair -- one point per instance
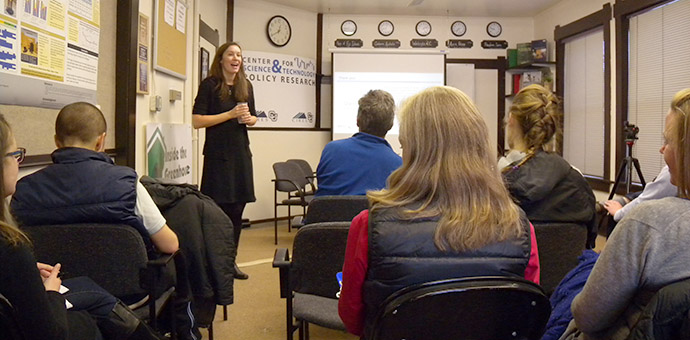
(545, 185)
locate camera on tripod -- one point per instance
(630, 131)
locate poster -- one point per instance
(169, 152)
(50, 46)
(293, 77)
(143, 55)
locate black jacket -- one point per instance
(205, 235)
(666, 316)
(548, 189)
(403, 253)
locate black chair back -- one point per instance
(304, 165)
(110, 254)
(318, 253)
(335, 208)
(469, 308)
(559, 245)
(9, 327)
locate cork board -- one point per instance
(170, 55)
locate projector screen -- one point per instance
(402, 75)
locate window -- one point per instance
(659, 66)
(583, 102)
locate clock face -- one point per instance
(494, 29)
(385, 28)
(423, 28)
(348, 27)
(458, 28)
(279, 30)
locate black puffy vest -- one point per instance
(402, 253)
(82, 186)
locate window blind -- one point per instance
(583, 102)
(659, 66)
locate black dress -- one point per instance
(227, 176)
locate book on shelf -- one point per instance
(511, 54)
(539, 50)
(524, 53)
(529, 78)
(516, 83)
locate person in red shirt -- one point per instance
(447, 201)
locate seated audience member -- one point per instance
(445, 214)
(545, 186)
(660, 188)
(33, 288)
(83, 185)
(362, 162)
(647, 249)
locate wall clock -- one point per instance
(423, 28)
(494, 29)
(278, 30)
(386, 28)
(348, 27)
(458, 28)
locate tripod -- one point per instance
(626, 167)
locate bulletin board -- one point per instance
(170, 55)
(34, 127)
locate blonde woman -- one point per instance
(545, 186)
(446, 201)
(647, 250)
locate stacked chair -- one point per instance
(289, 179)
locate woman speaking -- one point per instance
(224, 106)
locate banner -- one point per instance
(284, 88)
(169, 151)
(50, 47)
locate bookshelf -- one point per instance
(538, 73)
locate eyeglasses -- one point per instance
(18, 155)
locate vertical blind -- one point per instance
(659, 66)
(583, 102)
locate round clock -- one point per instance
(458, 28)
(494, 29)
(423, 28)
(279, 30)
(348, 27)
(386, 28)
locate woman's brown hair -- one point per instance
(680, 137)
(449, 169)
(8, 228)
(240, 87)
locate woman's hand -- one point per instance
(44, 269)
(52, 282)
(612, 207)
(238, 111)
(247, 119)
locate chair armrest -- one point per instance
(281, 260)
(300, 192)
(162, 260)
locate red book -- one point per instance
(516, 83)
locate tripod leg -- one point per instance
(639, 172)
(618, 179)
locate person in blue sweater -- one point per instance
(362, 162)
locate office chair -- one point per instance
(477, 308)
(115, 257)
(289, 179)
(308, 282)
(335, 208)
